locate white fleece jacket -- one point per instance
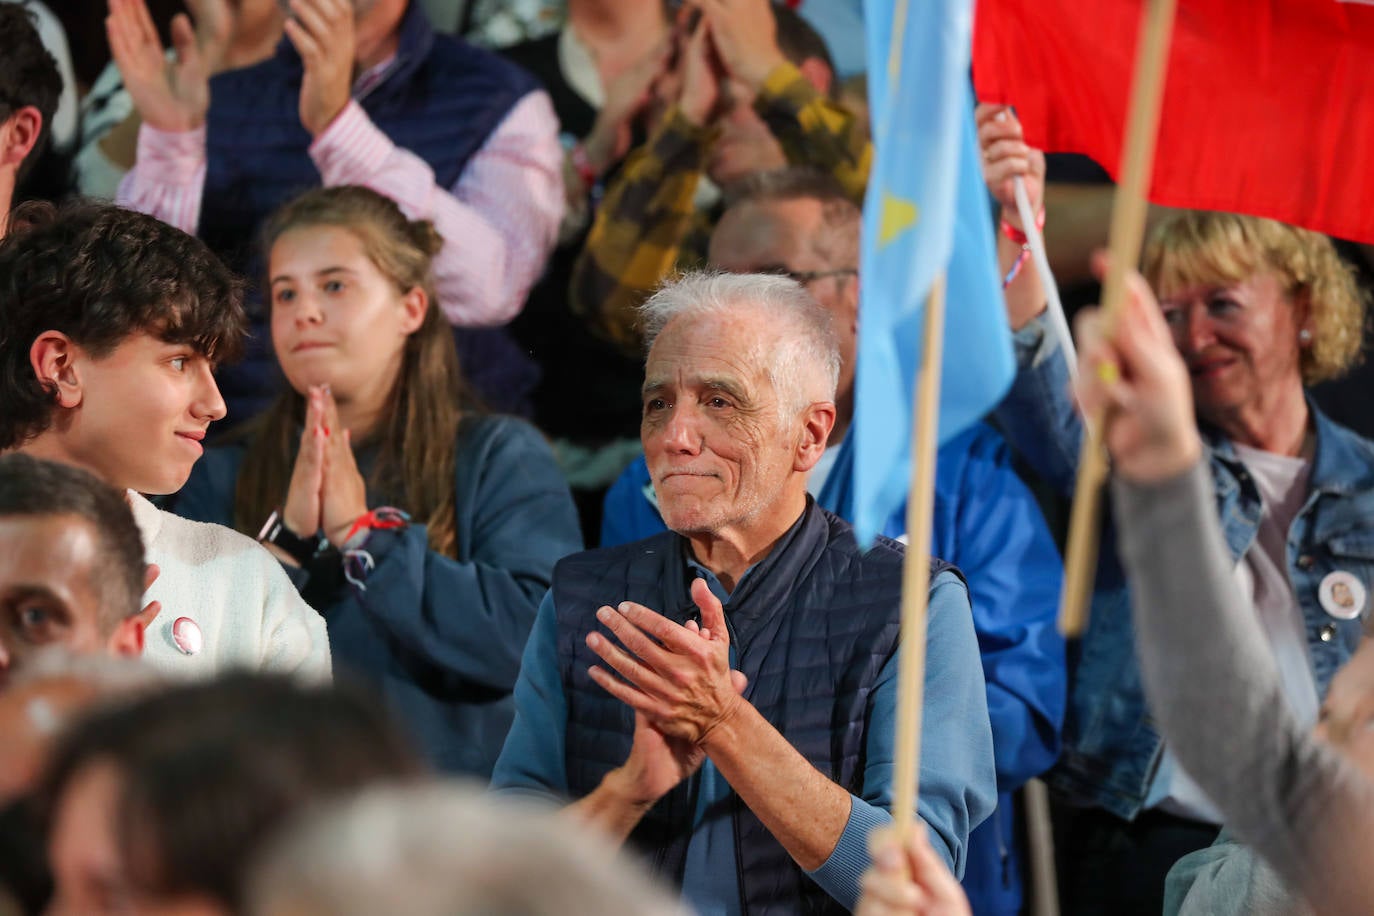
(249, 614)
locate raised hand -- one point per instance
(746, 36)
(214, 27)
(343, 495)
(301, 511)
(170, 96)
(700, 95)
(323, 34)
(626, 98)
(1006, 155)
(1137, 375)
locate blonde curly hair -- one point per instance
(1194, 247)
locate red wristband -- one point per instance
(1017, 235)
(379, 519)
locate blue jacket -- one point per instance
(440, 99)
(988, 524)
(814, 624)
(1111, 748)
(440, 636)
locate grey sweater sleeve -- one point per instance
(1214, 689)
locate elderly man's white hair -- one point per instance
(805, 364)
(446, 849)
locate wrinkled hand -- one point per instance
(678, 677)
(657, 762)
(301, 511)
(626, 98)
(1006, 155)
(700, 96)
(323, 34)
(343, 496)
(746, 36)
(910, 881)
(170, 96)
(1137, 375)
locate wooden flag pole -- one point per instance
(920, 508)
(1129, 210)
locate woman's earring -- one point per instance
(1305, 336)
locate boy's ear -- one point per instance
(413, 307)
(54, 358)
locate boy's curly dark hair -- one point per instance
(28, 73)
(98, 274)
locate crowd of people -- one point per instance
(425, 470)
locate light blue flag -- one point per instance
(927, 210)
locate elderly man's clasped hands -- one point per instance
(678, 680)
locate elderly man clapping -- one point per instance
(724, 695)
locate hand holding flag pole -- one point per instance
(1127, 232)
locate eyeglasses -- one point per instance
(805, 277)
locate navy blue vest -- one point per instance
(441, 99)
(812, 626)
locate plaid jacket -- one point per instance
(648, 225)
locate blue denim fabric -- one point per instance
(1111, 747)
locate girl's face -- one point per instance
(337, 320)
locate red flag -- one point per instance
(1268, 105)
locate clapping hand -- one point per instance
(665, 750)
(626, 98)
(169, 95)
(746, 37)
(323, 33)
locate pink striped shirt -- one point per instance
(499, 221)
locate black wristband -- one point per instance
(275, 532)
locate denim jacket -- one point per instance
(1111, 747)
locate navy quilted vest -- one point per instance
(812, 626)
(440, 100)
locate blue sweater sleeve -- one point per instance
(472, 616)
(958, 784)
(1038, 413)
(1005, 550)
(532, 760)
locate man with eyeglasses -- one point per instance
(799, 223)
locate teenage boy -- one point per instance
(110, 324)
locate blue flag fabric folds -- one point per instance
(926, 211)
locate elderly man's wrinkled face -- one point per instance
(719, 442)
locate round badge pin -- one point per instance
(187, 636)
(1342, 595)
